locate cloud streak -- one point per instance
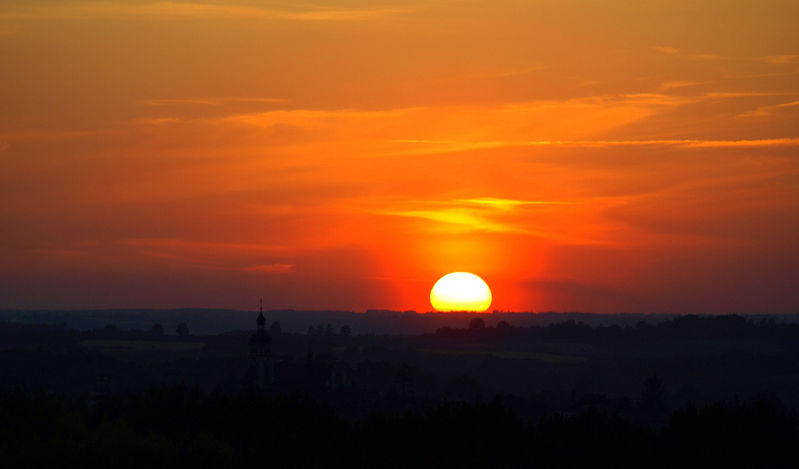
(271, 268)
(499, 216)
(209, 101)
(457, 218)
(189, 244)
(670, 85)
(447, 146)
(782, 59)
(508, 204)
(187, 10)
(763, 111)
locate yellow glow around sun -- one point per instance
(460, 291)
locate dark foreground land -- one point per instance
(179, 427)
(687, 391)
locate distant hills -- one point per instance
(376, 321)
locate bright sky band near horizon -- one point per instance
(601, 156)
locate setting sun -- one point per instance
(460, 291)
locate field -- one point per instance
(123, 346)
(511, 354)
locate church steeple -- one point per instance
(261, 351)
(261, 321)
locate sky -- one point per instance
(599, 156)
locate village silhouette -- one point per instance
(684, 390)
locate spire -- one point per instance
(261, 320)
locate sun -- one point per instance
(460, 291)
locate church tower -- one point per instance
(261, 352)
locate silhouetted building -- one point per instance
(261, 352)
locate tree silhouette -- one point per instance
(345, 331)
(275, 328)
(477, 324)
(157, 330)
(182, 329)
(652, 394)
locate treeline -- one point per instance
(687, 327)
(20, 335)
(16, 335)
(681, 327)
(182, 427)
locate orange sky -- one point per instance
(605, 156)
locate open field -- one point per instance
(511, 354)
(108, 345)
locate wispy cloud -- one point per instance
(782, 59)
(210, 255)
(686, 55)
(688, 143)
(578, 122)
(182, 243)
(49, 134)
(439, 129)
(493, 74)
(198, 262)
(741, 94)
(209, 101)
(460, 219)
(670, 85)
(156, 121)
(488, 214)
(455, 220)
(508, 204)
(768, 110)
(271, 268)
(629, 105)
(766, 142)
(504, 216)
(205, 11)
